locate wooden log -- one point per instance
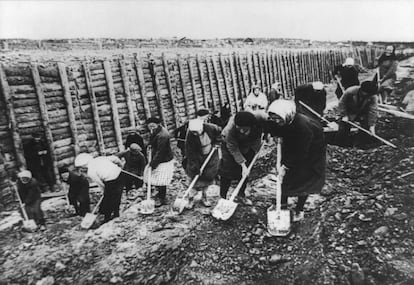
(193, 84)
(261, 75)
(171, 91)
(142, 90)
(127, 91)
(284, 74)
(254, 77)
(242, 86)
(157, 90)
(272, 77)
(268, 73)
(94, 107)
(250, 77)
(210, 83)
(45, 120)
(215, 70)
(11, 117)
(235, 82)
(69, 106)
(183, 87)
(226, 84)
(114, 106)
(201, 76)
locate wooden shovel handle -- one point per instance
(313, 112)
(149, 173)
(371, 134)
(20, 201)
(97, 205)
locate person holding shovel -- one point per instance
(162, 162)
(78, 193)
(313, 95)
(242, 139)
(346, 75)
(109, 177)
(303, 153)
(201, 139)
(387, 65)
(29, 192)
(359, 103)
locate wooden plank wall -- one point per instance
(91, 106)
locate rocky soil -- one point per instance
(358, 231)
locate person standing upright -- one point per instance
(387, 64)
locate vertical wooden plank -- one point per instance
(114, 106)
(201, 76)
(267, 71)
(210, 84)
(235, 82)
(282, 73)
(271, 66)
(171, 91)
(127, 92)
(262, 77)
(45, 120)
(94, 107)
(69, 106)
(226, 84)
(244, 92)
(254, 78)
(141, 83)
(193, 84)
(250, 77)
(11, 116)
(215, 70)
(276, 66)
(157, 90)
(183, 87)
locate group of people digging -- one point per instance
(239, 139)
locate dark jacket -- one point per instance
(355, 106)
(388, 68)
(273, 95)
(134, 162)
(78, 187)
(135, 138)
(316, 99)
(348, 74)
(194, 156)
(30, 192)
(160, 147)
(180, 134)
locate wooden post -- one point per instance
(267, 71)
(94, 106)
(172, 92)
(45, 120)
(243, 78)
(69, 106)
(235, 81)
(282, 73)
(226, 84)
(262, 77)
(181, 74)
(201, 76)
(11, 116)
(141, 82)
(215, 70)
(157, 90)
(271, 67)
(210, 83)
(254, 78)
(114, 106)
(276, 66)
(127, 91)
(193, 84)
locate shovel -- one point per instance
(371, 134)
(148, 206)
(278, 220)
(225, 208)
(180, 203)
(28, 224)
(90, 218)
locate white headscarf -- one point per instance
(286, 109)
(349, 61)
(195, 125)
(83, 159)
(317, 85)
(24, 174)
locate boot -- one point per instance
(205, 200)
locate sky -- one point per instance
(329, 20)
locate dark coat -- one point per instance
(180, 134)
(316, 99)
(348, 74)
(304, 153)
(237, 150)
(273, 95)
(78, 187)
(195, 158)
(134, 162)
(29, 192)
(160, 147)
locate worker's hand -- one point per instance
(333, 125)
(282, 170)
(245, 170)
(372, 130)
(345, 119)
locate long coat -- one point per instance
(160, 147)
(316, 99)
(237, 150)
(195, 158)
(303, 153)
(30, 195)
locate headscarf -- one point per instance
(24, 174)
(349, 62)
(384, 57)
(245, 119)
(134, 147)
(369, 87)
(286, 109)
(317, 85)
(195, 125)
(83, 159)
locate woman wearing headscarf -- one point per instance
(313, 95)
(347, 75)
(303, 152)
(162, 162)
(241, 141)
(201, 139)
(387, 64)
(135, 163)
(256, 100)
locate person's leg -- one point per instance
(342, 137)
(162, 195)
(301, 203)
(224, 186)
(284, 202)
(204, 198)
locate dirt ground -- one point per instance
(364, 218)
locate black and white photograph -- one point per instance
(207, 142)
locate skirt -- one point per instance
(162, 175)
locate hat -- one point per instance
(195, 125)
(245, 119)
(349, 61)
(63, 170)
(24, 174)
(286, 109)
(317, 85)
(83, 159)
(369, 87)
(153, 120)
(135, 147)
(202, 112)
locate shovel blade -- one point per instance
(88, 221)
(179, 205)
(224, 209)
(278, 222)
(29, 225)
(147, 207)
